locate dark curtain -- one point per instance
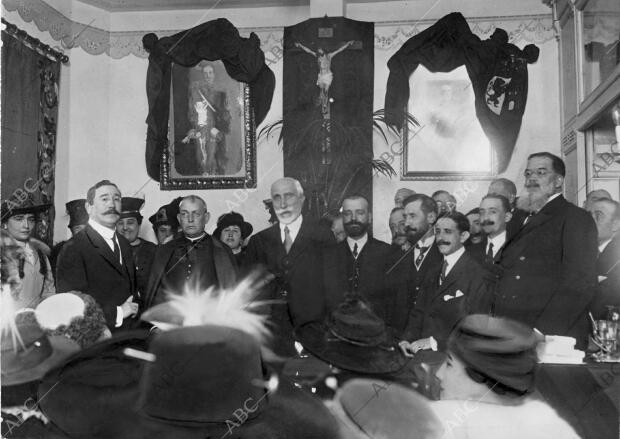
(29, 115)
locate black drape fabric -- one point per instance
(214, 40)
(496, 68)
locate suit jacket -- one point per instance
(608, 267)
(516, 222)
(479, 253)
(297, 277)
(372, 263)
(406, 281)
(87, 264)
(549, 271)
(438, 308)
(225, 268)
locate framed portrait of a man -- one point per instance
(211, 132)
(449, 143)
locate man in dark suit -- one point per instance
(193, 260)
(459, 289)
(408, 271)
(98, 261)
(505, 187)
(606, 214)
(359, 263)
(494, 216)
(549, 266)
(291, 251)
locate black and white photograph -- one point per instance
(310, 219)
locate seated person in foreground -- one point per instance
(460, 289)
(490, 365)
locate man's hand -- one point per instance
(422, 344)
(405, 348)
(129, 307)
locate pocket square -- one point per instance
(458, 293)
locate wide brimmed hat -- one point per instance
(130, 207)
(367, 408)
(211, 381)
(9, 208)
(497, 348)
(167, 214)
(354, 338)
(27, 353)
(233, 219)
(76, 209)
(92, 394)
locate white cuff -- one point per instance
(433, 343)
(119, 317)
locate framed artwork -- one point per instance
(211, 130)
(449, 144)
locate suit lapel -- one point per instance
(535, 221)
(104, 249)
(275, 239)
(455, 273)
(301, 240)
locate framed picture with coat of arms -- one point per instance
(211, 130)
(449, 143)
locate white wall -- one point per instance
(103, 108)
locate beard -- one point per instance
(414, 235)
(355, 229)
(532, 201)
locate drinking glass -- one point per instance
(606, 338)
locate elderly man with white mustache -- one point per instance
(549, 266)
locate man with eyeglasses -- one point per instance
(193, 261)
(549, 267)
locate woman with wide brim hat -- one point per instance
(233, 230)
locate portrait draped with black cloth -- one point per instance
(496, 68)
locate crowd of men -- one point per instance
(537, 259)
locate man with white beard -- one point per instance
(549, 266)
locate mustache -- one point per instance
(529, 185)
(353, 223)
(111, 210)
(443, 243)
(487, 223)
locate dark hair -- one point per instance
(494, 385)
(503, 199)
(90, 194)
(85, 330)
(357, 197)
(461, 221)
(396, 209)
(474, 211)
(439, 192)
(508, 185)
(557, 164)
(427, 205)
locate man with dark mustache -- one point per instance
(99, 262)
(398, 229)
(358, 264)
(549, 266)
(475, 231)
(408, 271)
(495, 215)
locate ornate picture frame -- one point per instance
(211, 130)
(449, 144)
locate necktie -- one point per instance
(489, 256)
(117, 250)
(420, 258)
(288, 241)
(442, 276)
(355, 251)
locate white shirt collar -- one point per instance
(102, 230)
(197, 238)
(453, 258)
(602, 246)
(426, 242)
(361, 242)
(498, 242)
(293, 228)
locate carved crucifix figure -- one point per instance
(325, 77)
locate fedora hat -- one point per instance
(27, 353)
(233, 219)
(353, 338)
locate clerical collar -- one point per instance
(104, 231)
(361, 242)
(197, 238)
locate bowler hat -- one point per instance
(130, 207)
(353, 338)
(27, 353)
(76, 210)
(233, 219)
